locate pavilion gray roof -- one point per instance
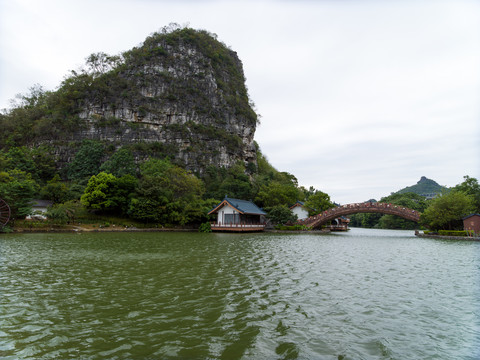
(242, 206)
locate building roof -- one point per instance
(298, 203)
(41, 203)
(468, 216)
(242, 206)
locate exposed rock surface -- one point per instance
(180, 93)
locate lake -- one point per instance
(365, 294)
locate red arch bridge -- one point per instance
(326, 216)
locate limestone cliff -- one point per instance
(180, 94)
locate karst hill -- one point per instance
(180, 94)
(425, 187)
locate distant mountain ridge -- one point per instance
(425, 187)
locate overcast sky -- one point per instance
(358, 98)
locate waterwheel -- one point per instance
(4, 213)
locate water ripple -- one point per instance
(361, 295)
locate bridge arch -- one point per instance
(368, 207)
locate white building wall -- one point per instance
(225, 210)
(300, 212)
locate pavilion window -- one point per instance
(232, 218)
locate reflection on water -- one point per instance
(370, 294)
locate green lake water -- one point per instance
(365, 294)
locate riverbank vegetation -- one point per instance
(454, 233)
(445, 212)
(150, 193)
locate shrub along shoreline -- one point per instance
(447, 235)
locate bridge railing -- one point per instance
(236, 225)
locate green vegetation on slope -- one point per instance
(424, 187)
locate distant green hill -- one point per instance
(425, 187)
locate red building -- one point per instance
(472, 223)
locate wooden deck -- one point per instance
(337, 227)
(237, 227)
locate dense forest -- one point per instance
(154, 191)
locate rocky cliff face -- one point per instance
(180, 94)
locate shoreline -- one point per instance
(445, 237)
(81, 229)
